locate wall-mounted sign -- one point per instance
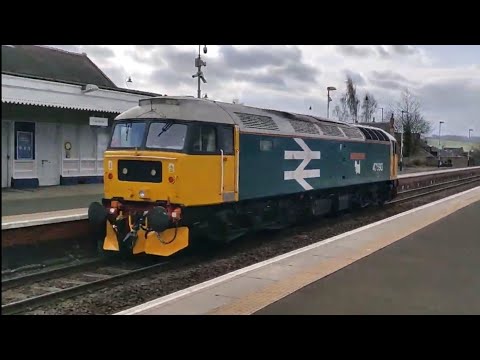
(24, 145)
(98, 121)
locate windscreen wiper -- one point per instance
(166, 127)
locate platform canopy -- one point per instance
(28, 91)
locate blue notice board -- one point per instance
(24, 145)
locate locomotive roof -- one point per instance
(250, 119)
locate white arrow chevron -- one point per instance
(299, 174)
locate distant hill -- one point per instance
(473, 139)
(455, 141)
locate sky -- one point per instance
(444, 78)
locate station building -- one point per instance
(57, 112)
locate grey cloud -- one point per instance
(351, 50)
(382, 52)
(264, 79)
(285, 102)
(387, 75)
(145, 48)
(301, 72)
(153, 55)
(259, 57)
(455, 94)
(98, 51)
(388, 84)
(72, 48)
(357, 78)
(454, 101)
(116, 74)
(165, 77)
(267, 67)
(275, 77)
(404, 49)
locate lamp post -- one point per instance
(401, 146)
(330, 88)
(468, 152)
(128, 81)
(198, 64)
(439, 133)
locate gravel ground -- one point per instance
(251, 250)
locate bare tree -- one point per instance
(409, 118)
(352, 99)
(341, 111)
(369, 106)
(412, 118)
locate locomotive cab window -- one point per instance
(128, 135)
(166, 135)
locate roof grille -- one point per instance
(305, 127)
(257, 121)
(352, 133)
(330, 130)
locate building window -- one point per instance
(24, 141)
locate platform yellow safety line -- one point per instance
(259, 299)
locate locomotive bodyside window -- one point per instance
(226, 139)
(266, 145)
(204, 139)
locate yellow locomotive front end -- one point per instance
(144, 211)
(154, 170)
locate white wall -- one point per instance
(88, 143)
(85, 157)
(5, 154)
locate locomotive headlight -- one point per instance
(144, 194)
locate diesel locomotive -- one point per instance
(179, 169)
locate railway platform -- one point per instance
(48, 199)
(422, 261)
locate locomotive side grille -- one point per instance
(141, 171)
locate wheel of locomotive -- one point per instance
(218, 229)
(334, 205)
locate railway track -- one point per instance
(415, 193)
(25, 293)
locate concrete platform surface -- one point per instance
(51, 198)
(251, 289)
(43, 218)
(432, 171)
(433, 271)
